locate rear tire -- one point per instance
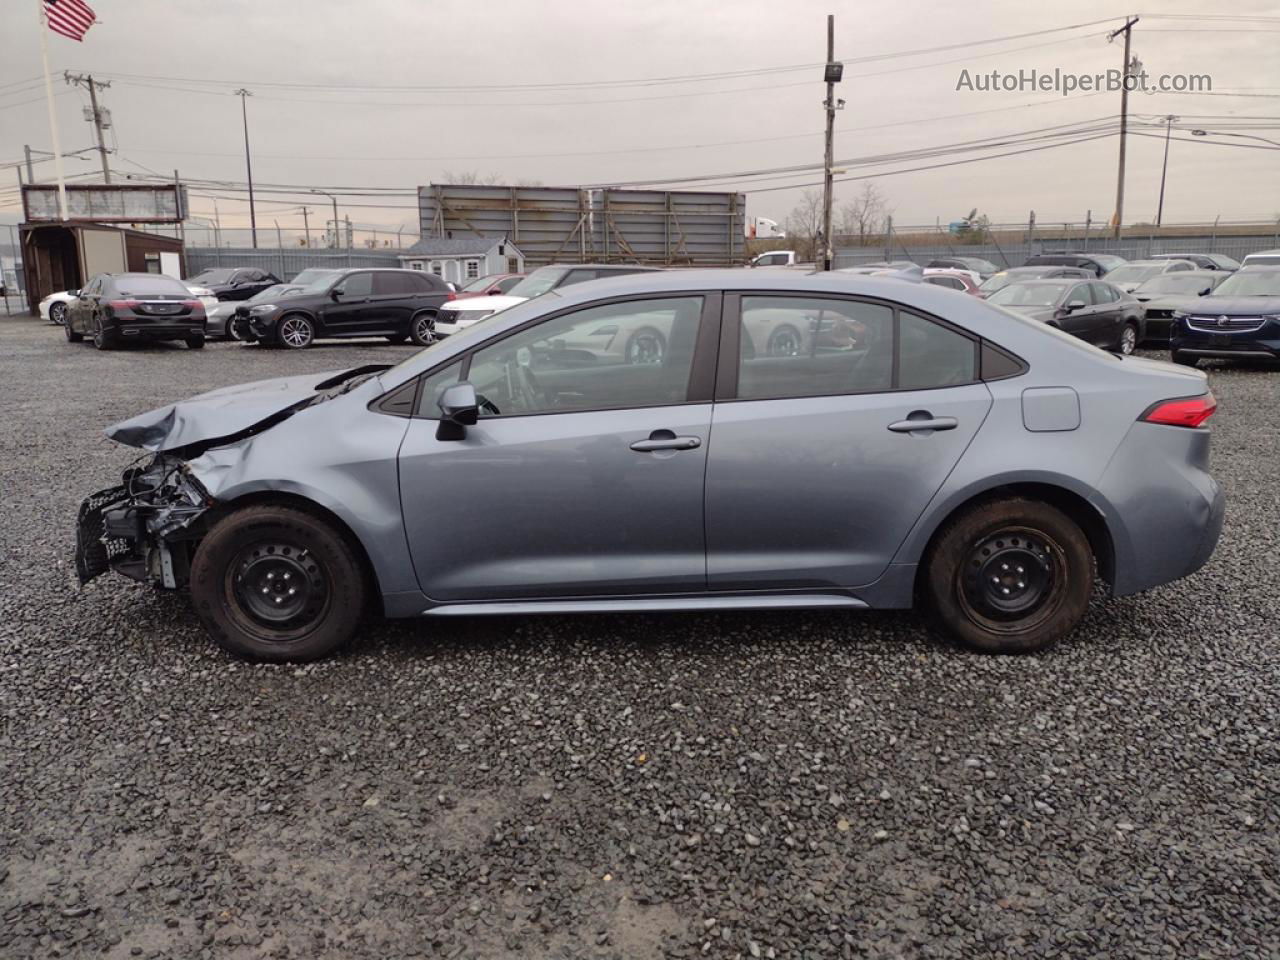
(1185, 359)
(102, 339)
(1128, 338)
(69, 333)
(195, 343)
(276, 584)
(1009, 576)
(58, 313)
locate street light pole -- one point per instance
(248, 166)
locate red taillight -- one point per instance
(1184, 412)
(124, 304)
(451, 296)
(192, 304)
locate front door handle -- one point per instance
(666, 440)
(922, 420)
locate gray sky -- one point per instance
(341, 135)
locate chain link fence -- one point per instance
(285, 263)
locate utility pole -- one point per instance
(1164, 167)
(31, 170)
(1127, 29)
(832, 74)
(306, 226)
(100, 117)
(335, 215)
(244, 115)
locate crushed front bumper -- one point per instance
(146, 528)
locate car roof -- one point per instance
(1262, 267)
(1045, 281)
(1151, 262)
(1264, 253)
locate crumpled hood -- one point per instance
(223, 412)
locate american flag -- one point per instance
(71, 18)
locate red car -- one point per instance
(494, 285)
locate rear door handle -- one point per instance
(921, 420)
(666, 440)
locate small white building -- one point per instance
(463, 259)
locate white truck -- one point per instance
(780, 258)
(762, 228)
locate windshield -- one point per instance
(538, 282)
(1175, 283)
(272, 291)
(150, 285)
(1246, 283)
(1262, 260)
(1029, 294)
(980, 265)
(482, 283)
(1133, 273)
(1108, 260)
(212, 276)
(1001, 280)
(315, 281)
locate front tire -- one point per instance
(1009, 576)
(58, 313)
(295, 332)
(69, 332)
(1185, 359)
(276, 584)
(422, 329)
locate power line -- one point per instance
(607, 82)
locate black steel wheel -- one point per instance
(1009, 576)
(277, 584)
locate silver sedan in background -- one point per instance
(909, 447)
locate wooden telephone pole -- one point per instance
(1127, 29)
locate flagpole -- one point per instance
(53, 119)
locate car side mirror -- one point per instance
(1075, 305)
(73, 293)
(459, 409)
(335, 294)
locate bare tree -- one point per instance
(804, 224)
(865, 215)
(471, 177)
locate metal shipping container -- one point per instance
(557, 224)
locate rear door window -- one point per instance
(390, 284)
(793, 346)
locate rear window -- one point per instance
(149, 285)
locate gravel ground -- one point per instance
(783, 785)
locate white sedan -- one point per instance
(54, 307)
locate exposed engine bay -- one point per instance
(145, 528)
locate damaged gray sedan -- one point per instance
(677, 441)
